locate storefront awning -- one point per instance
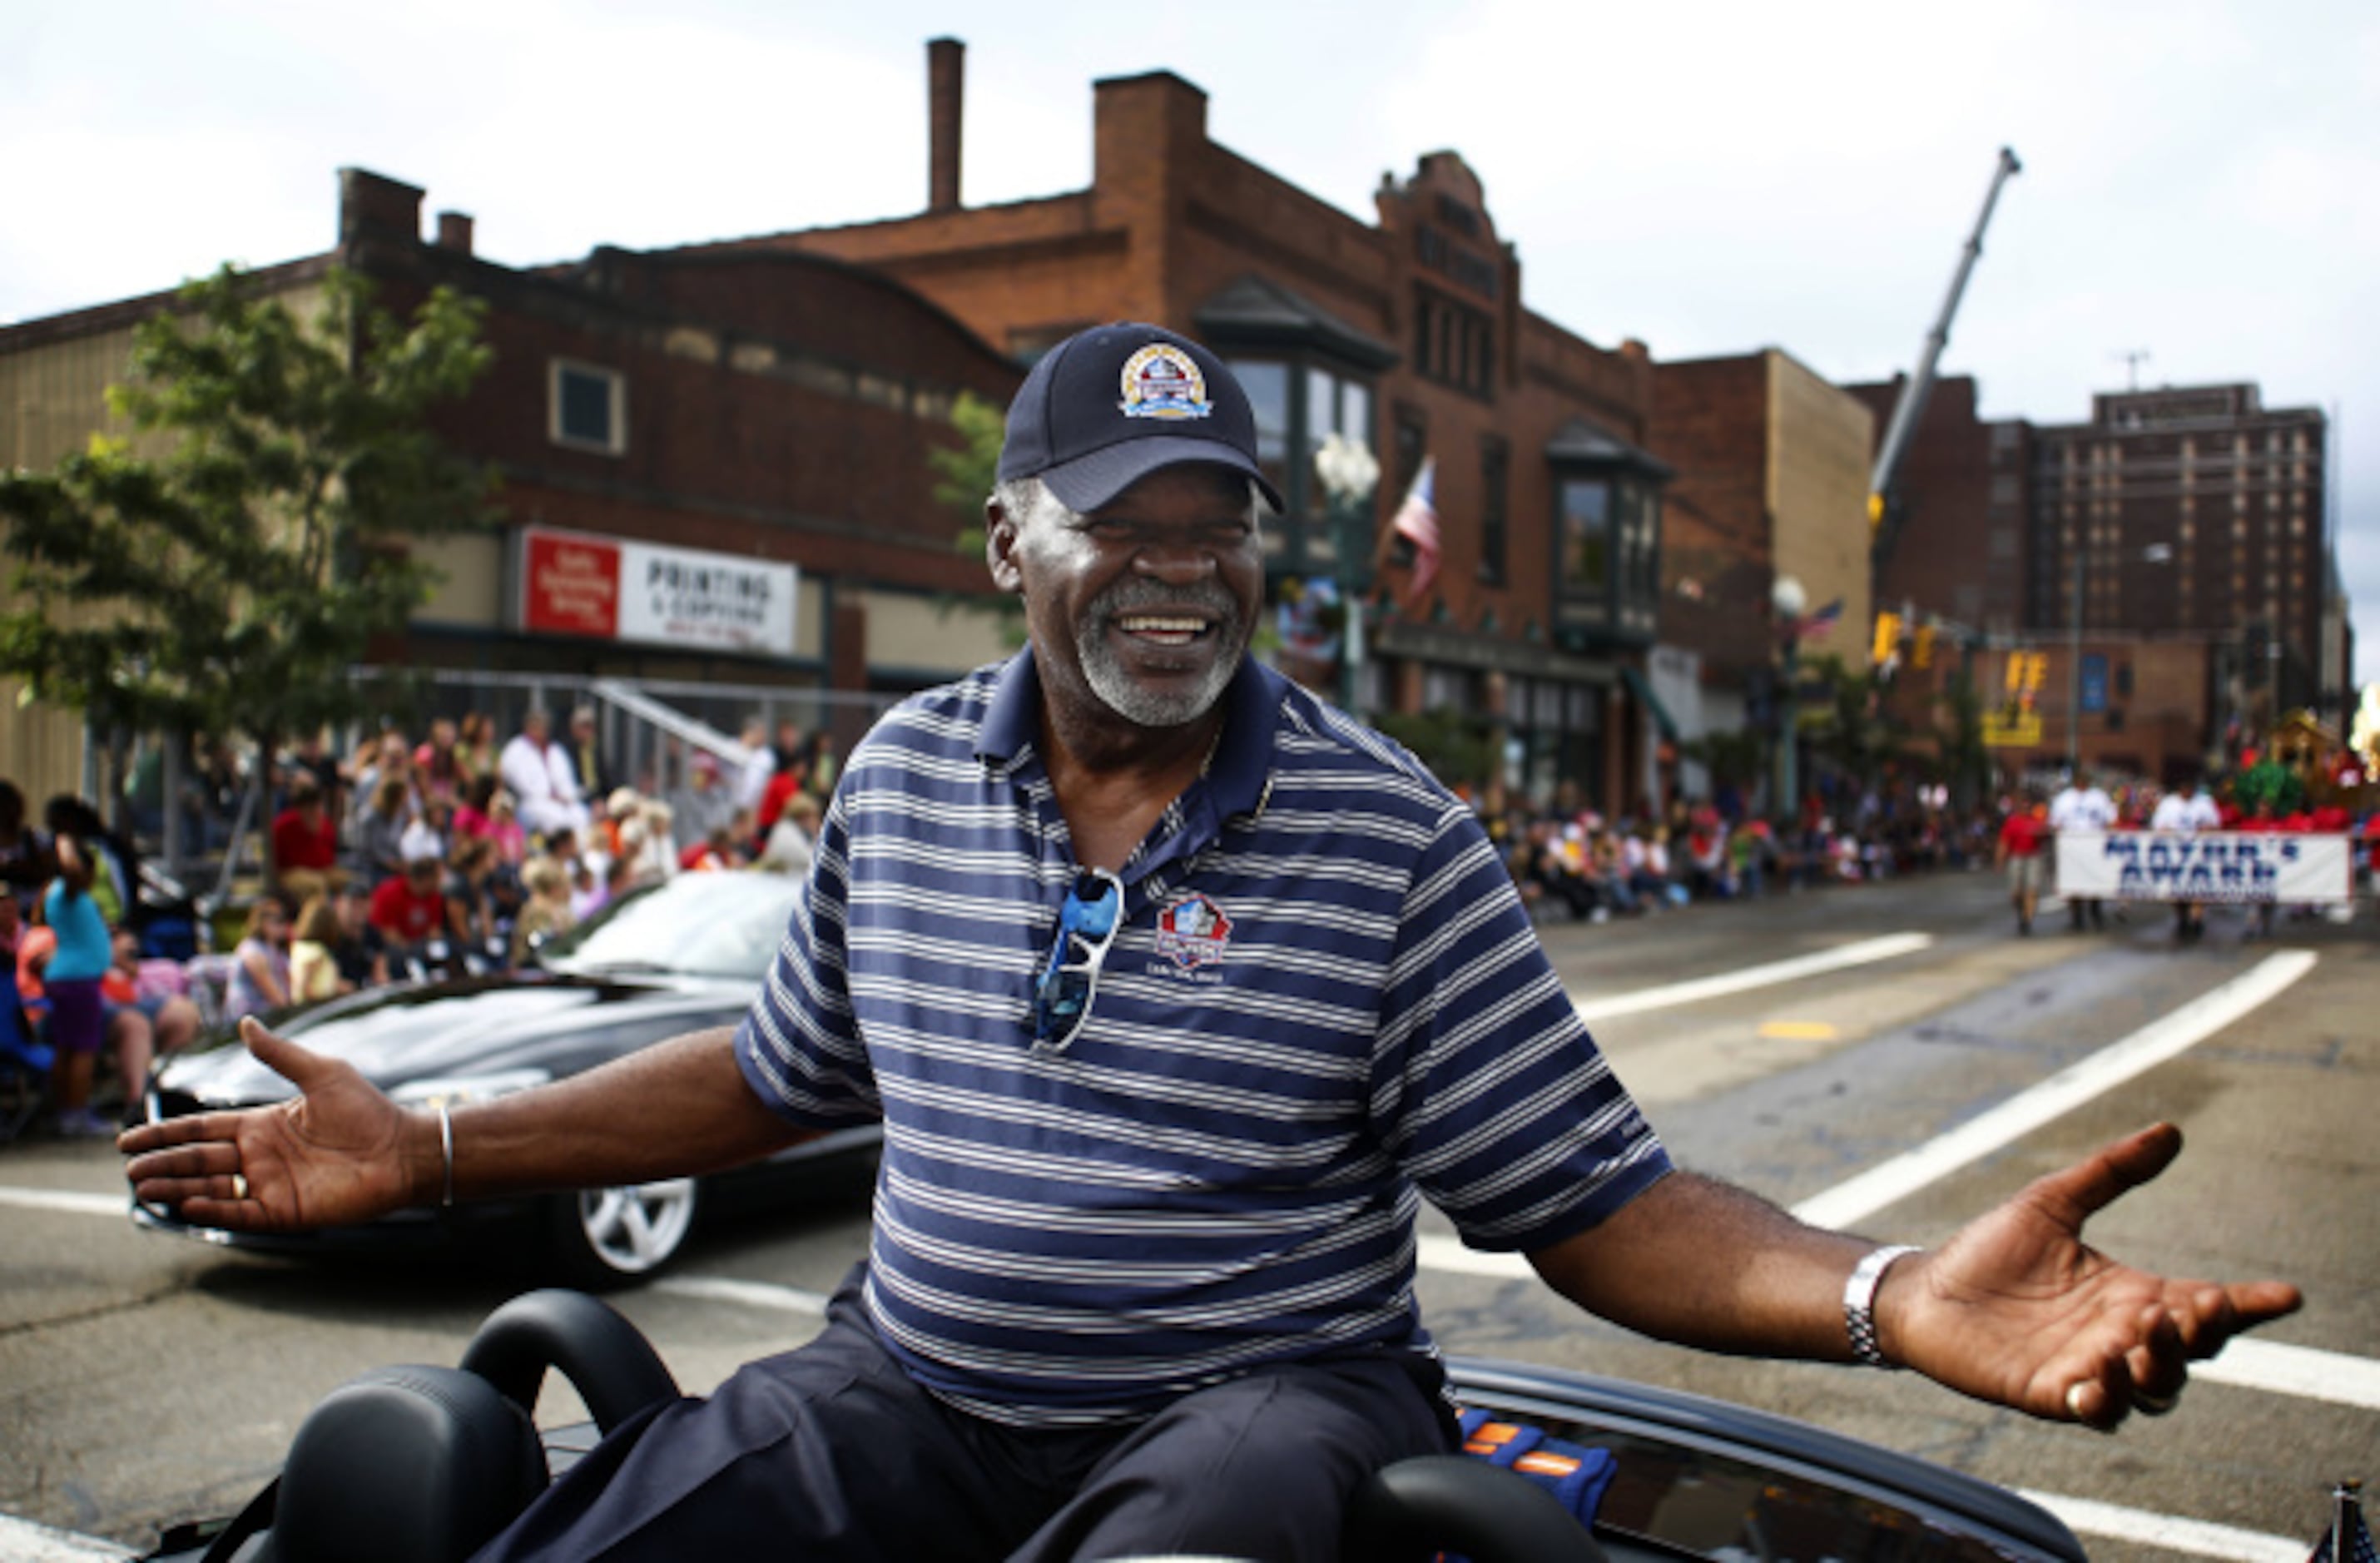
(1641, 689)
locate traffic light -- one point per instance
(1921, 650)
(1887, 638)
(2036, 669)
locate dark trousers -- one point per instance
(832, 1452)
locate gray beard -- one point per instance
(1128, 699)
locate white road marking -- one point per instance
(21, 1541)
(2281, 1369)
(1862, 953)
(1449, 1254)
(2155, 1043)
(746, 1293)
(2092, 1517)
(69, 1202)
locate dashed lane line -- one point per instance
(21, 1541)
(68, 1201)
(1867, 952)
(2161, 1040)
(2199, 1537)
(743, 1293)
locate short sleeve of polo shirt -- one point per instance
(1486, 1086)
(799, 1046)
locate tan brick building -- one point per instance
(1771, 464)
(1407, 333)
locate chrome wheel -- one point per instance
(635, 1230)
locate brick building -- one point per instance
(1407, 334)
(1959, 542)
(2193, 510)
(2190, 520)
(1771, 466)
(766, 415)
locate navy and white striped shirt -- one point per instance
(1324, 998)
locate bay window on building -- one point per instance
(1309, 376)
(1607, 540)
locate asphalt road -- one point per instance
(145, 1379)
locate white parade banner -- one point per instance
(2210, 866)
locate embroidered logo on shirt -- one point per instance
(1161, 380)
(1192, 932)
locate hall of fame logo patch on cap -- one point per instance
(1161, 380)
(1193, 932)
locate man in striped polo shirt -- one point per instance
(1175, 990)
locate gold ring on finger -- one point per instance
(240, 1185)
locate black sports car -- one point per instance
(678, 957)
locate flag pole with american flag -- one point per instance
(1417, 522)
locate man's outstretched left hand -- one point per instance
(2017, 1309)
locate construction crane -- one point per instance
(1883, 506)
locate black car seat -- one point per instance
(1419, 1507)
(426, 1464)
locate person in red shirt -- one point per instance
(306, 842)
(2021, 835)
(409, 911)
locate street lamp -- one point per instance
(1349, 473)
(1789, 600)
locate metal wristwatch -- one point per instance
(1859, 1303)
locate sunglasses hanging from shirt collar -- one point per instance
(1086, 929)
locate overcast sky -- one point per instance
(2202, 181)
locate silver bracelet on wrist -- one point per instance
(446, 1147)
(1859, 1304)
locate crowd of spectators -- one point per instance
(1571, 861)
(407, 861)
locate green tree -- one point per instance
(227, 583)
(965, 472)
(1860, 736)
(963, 476)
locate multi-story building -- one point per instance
(679, 436)
(1956, 545)
(1771, 464)
(1407, 334)
(2191, 510)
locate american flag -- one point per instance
(1816, 625)
(2348, 1540)
(1417, 522)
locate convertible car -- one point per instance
(678, 957)
(422, 1464)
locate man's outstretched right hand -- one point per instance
(338, 1153)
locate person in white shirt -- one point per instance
(2187, 812)
(2083, 809)
(541, 780)
(760, 763)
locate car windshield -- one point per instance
(726, 925)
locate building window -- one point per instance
(1586, 535)
(587, 407)
(1495, 466)
(1453, 344)
(1336, 404)
(1267, 384)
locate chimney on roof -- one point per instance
(945, 87)
(374, 206)
(454, 232)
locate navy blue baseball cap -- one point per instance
(1109, 406)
